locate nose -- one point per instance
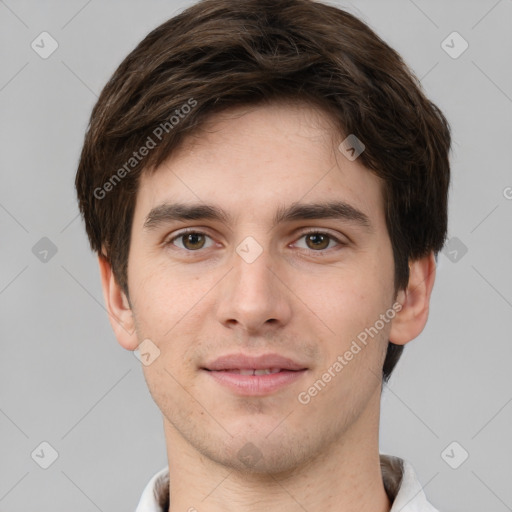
(253, 297)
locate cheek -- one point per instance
(351, 303)
(354, 296)
(161, 297)
(171, 311)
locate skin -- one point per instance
(304, 302)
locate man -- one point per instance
(266, 187)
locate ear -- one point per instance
(118, 307)
(415, 300)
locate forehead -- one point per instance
(260, 158)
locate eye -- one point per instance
(190, 240)
(318, 240)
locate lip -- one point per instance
(225, 371)
(261, 362)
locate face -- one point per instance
(277, 258)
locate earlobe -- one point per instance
(415, 301)
(118, 307)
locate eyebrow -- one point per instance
(168, 212)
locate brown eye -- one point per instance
(191, 241)
(317, 241)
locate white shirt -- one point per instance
(400, 482)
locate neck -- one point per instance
(345, 476)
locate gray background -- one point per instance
(65, 380)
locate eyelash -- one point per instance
(303, 234)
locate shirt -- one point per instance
(400, 482)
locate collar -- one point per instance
(400, 481)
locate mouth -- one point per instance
(253, 371)
(254, 376)
(255, 382)
(268, 363)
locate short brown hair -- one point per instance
(223, 53)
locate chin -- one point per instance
(264, 451)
